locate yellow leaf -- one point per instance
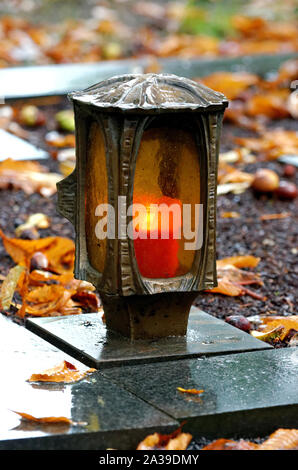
(269, 335)
(9, 285)
(64, 372)
(192, 391)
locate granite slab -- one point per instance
(248, 394)
(85, 337)
(108, 416)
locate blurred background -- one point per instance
(56, 31)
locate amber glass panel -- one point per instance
(96, 192)
(167, 171)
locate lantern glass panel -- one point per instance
(167, 175)
(96, 193)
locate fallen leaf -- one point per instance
(229, 83)
(282, 215)
(230, 215)
(273, 144)
(232, 280)
(229, 174)
(59, 250)
(66, 167)
(47, 300)
(38, 220)
(60, 140)
(272, 104)
(45, 420)
(241, 261)
(288, 323)
(54, 292)
(282, 439)
(28, 176)
(9, 285)
(192, 391)
(269, 336)
(241, 154)
(64, 372)
(175, 441)
(228, 444)
(236, 188)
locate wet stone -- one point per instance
(85, 337)
(245, 395)
(108, 416)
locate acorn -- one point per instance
(239, 321)
(39, 261)
(265, 181)
(289, 171)
(286, 190)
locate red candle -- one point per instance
(157, 257)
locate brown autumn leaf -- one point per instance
(236, 188)
(248, 26)
(229, 174)
(34, 221)
(269, 336)
(29, 176)
(273, 104)
(59, 250)
(55, 292)
(9, 285)
(229, 83)
(282, 439)
(45, 420)
(281, 215)
(230, 215)
(228, 444)
(192, 391)
(288, 323)
(187, 46)
(56, 139)
(174, 441)
(232, 280)
(236, 114)
(47, 300)
(240, 261)
(64, 372)
(271, 145)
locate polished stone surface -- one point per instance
(85, 338)
(248, 394)
(108, 416)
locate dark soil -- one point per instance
(274, 241)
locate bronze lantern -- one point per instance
(145, 140)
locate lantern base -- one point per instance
(148, 317)
(86, 338)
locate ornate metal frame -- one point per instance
(125, 125)
(124, 106)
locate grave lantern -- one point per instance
(143, 198)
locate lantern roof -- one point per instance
(151, 93)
